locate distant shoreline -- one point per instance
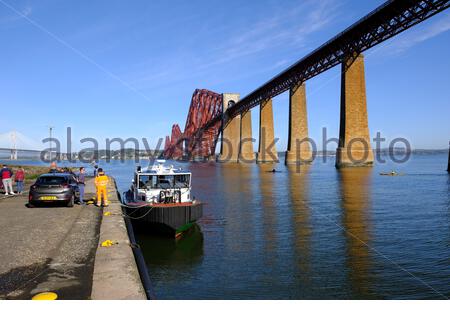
(281, 154)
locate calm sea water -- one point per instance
(315, 234)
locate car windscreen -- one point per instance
(49, 180)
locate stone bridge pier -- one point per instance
(354, 140)
(237, 142)
(231, 132)
(354, 147)
(246, 152)
(267, 152)
(298, 149)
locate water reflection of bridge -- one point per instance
(353, 192)
(356, 208)
(292, 243)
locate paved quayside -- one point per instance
(116, 276)
(54, 249)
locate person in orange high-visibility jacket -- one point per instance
(101, 181)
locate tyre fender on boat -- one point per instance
(162, 196)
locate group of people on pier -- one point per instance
(101, 180)
(7, 176)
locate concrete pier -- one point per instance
(267, 152)
(354, 140)
(47, 249)
(299, 149)
(246, 152)
(57, 249)
(116, 276)
(231, 133)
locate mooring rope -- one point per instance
(140, 217)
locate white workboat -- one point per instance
(160, 196)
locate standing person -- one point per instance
(95, 171)
(19, 178)
(81, 183)
(6, 175)
(53, 167)
(101, 181)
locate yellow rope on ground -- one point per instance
(108, 243)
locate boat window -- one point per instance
(147, 182)
(165, 182)
(182, 181)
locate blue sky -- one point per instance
(129, 68)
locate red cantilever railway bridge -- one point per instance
(200, 134)
(206, 117)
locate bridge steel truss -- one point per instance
(201, 140)
(388, 20)
(173, 148)
(197, 140)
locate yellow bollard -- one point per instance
(45, 296)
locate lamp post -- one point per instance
(50, 128)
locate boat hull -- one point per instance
(171, 219)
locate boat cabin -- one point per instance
(162, 184)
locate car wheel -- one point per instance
(71, 202)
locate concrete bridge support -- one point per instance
(267, 152)
(354, 140)
(14, 154)
(246, 153)
(299, 149)
(231, 133)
